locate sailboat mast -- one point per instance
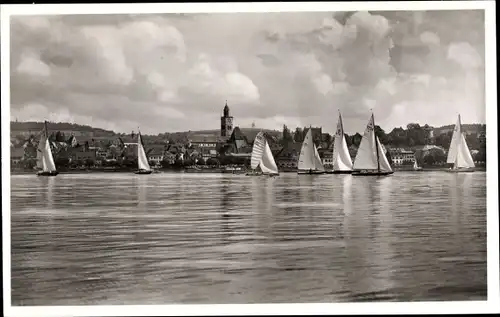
(46, 130)
(311, 147)
(341, 124)
(376, 143)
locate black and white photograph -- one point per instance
(313, 157)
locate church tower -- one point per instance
(226, 123)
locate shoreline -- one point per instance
(212, 170)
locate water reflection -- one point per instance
(142, 189)
(174, 238)
(225, 213)
(50, 192)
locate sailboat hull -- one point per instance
(461, 170)
(254, 174)
(310, 172)
(143, 172)
(339, 172)
(42, 173)
(371, 173)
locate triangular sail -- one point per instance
(267, 163)
(262, 155)
(366, 158)
(306, 158)
(45, 160)
(318, 165)
(464, 158)
(458, 153)
(455, 139)
(48, 159)
(341, 158)
(415, 164)
(257, 150)
(141, 155)
(383, 161)
(309, 158)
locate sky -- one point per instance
(174, 72)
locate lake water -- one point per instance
(91, 239)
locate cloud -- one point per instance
(166, 72)
(429, 38)
(31, 65)
(465, 55)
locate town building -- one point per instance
(226, 123)
(156, 153)
(402, 156)
(326, 156)
(205, 141)
(287, 158)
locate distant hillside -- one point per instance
(471, 128)
(57, 126)
(216, 132)
(34, 127)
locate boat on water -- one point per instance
(416, 167)
(371, 159)
(309, 160)
(262, 158)
(44, 159)
(342, 163)
(233, 170)
(142, 160)
(459, 153)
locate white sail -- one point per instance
(415, 166)
(267, 163)
(141, 155)
(306, 157)
(383, 161)
(318, 165)
(257, 150)
(455, 139)
(464, 158)
(45, 160)
(341, 157)
(48, 160)
(458, 153)
(309, 157)
(262, 155)
(366, 158)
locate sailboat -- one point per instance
(142, 160)
(262, 157)
(371, 159)
(416, 167)
(309, 160)
(45, 160)
(342, 163)
(458, 153)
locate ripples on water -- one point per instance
(214, 238)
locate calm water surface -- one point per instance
(213, 238)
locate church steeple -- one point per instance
(226, 122)
(226, 110)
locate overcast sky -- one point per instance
(168, 73)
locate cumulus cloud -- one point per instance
(465, 55)
(429, 38)
(31, 65)
(166, 72)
